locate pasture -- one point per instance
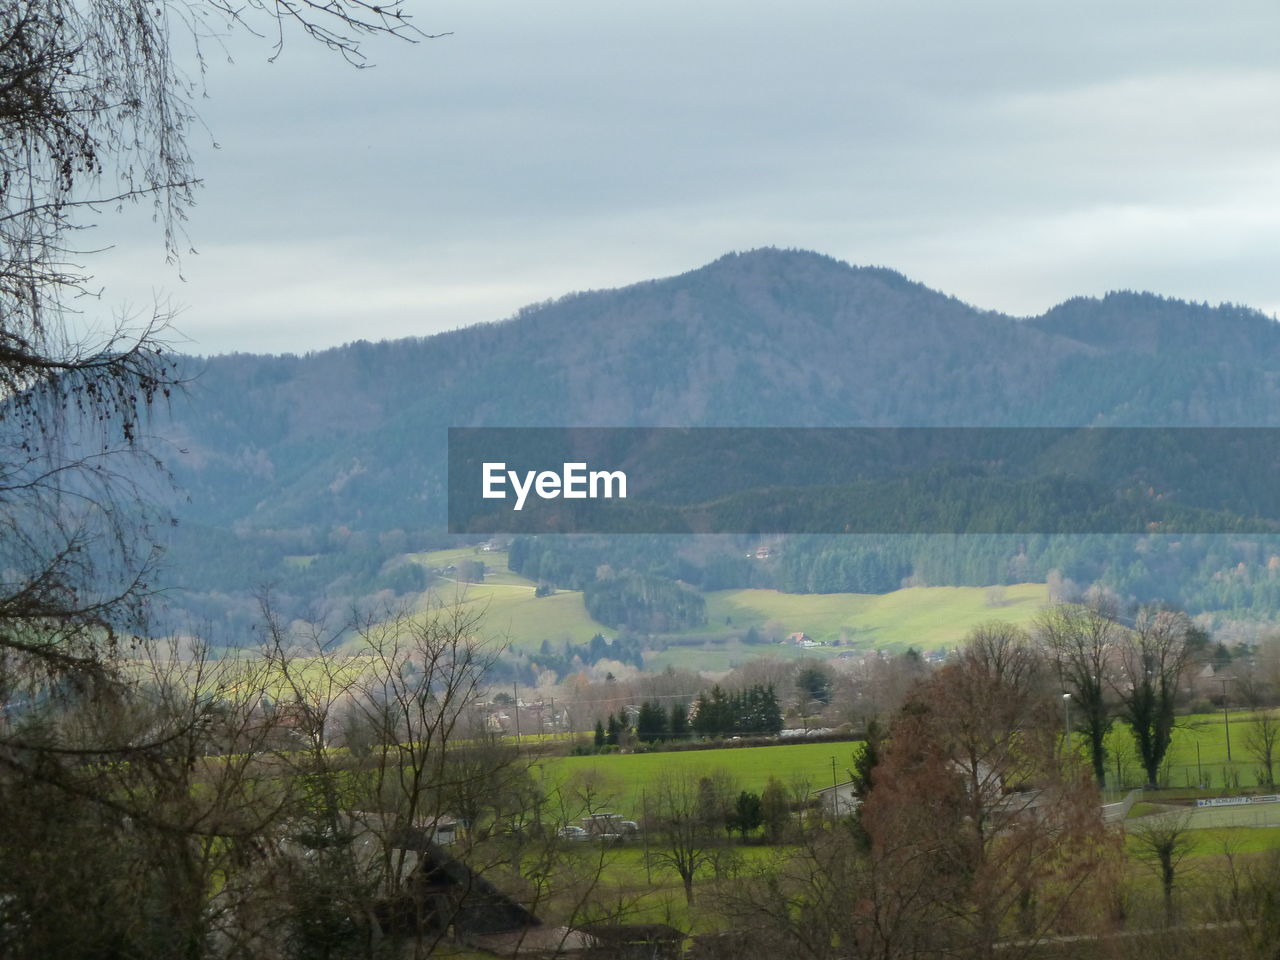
(922, 617)
(1198, 754)
(925, 618)
(620, 780)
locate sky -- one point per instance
(1012, 154)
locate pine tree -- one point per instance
(747, 813)
(678, 727)
(719, 718)
(864, 762)
(775, 809)
(772, 712)
(702, 716)
(651, 724)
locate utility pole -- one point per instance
(644, 833)
(1226, 717)
(1066, 722)
(515, 689)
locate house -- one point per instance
(633, 941)
(441, 892)
(436, 895)
(593, 941)
(723, 945)
(1208, 682)
(839, 800)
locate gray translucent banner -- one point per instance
(864, 480)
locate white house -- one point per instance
(839, 800)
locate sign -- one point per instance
(1236, 801)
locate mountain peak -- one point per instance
(1144, 322)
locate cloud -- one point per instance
(1010, 153)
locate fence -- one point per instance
(1243, 774)
(1115, 812)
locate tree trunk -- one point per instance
(1098, 753)
(1152, 768)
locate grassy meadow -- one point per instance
(1198, 754)
(621, 779)
(926, 618)
(511, 612)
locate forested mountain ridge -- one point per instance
(341, 452)
(768, 338)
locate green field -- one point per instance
(240, 676)
(1198, 754)
(624, 776)
(622, 779)
(926, 618)
(920, 617)
(511, 612)
(495, 561)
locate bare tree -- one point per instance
(153, 786)
(1081, 641)
(362, 874)
(95, 113)
(142, 803)
(1153, 656)
(973, 807)
(981, 842)
(366, 823)
(1261, 739)
(684, 824)
(830, 899)
(1163, 842)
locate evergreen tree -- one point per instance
(775, 809)
(865, 760)
(702, 716)
(651, 724)
(771, 712)
(747, 813)
(678, 727)
(814, 684)
(721, 717)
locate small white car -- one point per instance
(573, 833)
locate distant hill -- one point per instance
(339, 454)
(556, 632)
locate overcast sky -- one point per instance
(1010, 153)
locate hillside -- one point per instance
(339, 455)
(537, 629)
(768, 338)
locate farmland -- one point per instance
(1198, 754)
(623, 777)
(922, 617)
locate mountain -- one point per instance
(767, 338)
(341, 452)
